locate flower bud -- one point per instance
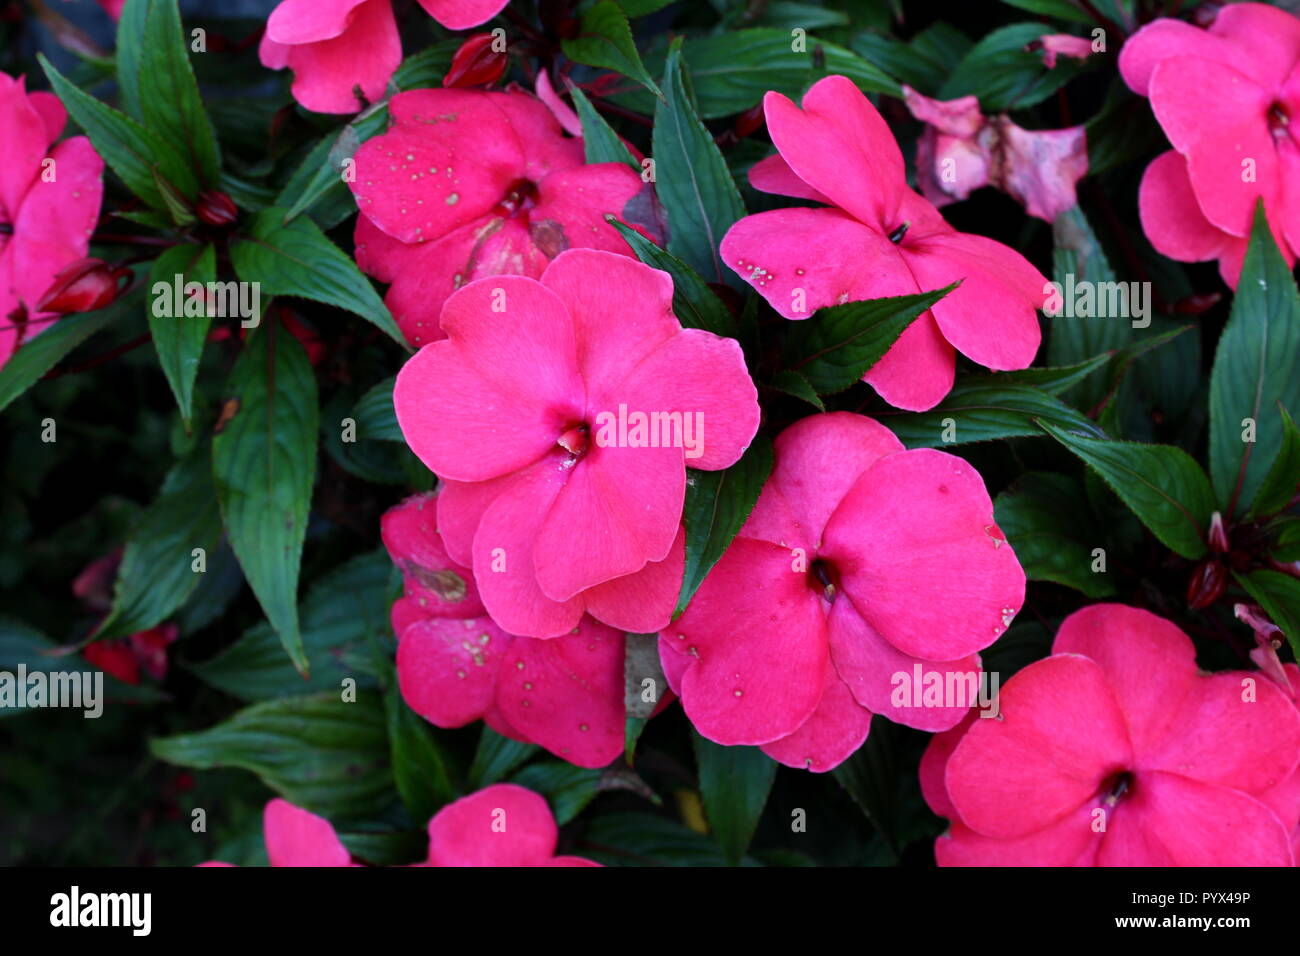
(476, 63)
(84, 286)
(216, 209)
(1209, 581)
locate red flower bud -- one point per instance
(1209, 581)
(216, 209)
(1218, 535)
(749, 121)
(84, 286)
(476, 63)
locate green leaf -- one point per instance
(836, 347)
(692, 179)
(345, 611)
(604, 39)
(870, 776)
(1049, 526)
(1055, 379)
(983, 408)
(297, 259)
(717, 505)
(1061, 9)
(319, 752)
(643, 839)
(169, 95)
(496, 757)
(135, 153)
(1004, 75)
(568, 789)
(374, 414)
(1162, 485)
(1279, 485)
(793, 383)
(180, 339)
(38, 355)
(421, 770)
(320, 174)
(157, 570)
(731, 71)
(131, 26)
(600, 143)
(1285, 535)
(694, 303)
(264, 459)
(734, 783)
(1279, 595)
(1256, 368)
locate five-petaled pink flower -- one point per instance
(501, 825)
(297, 837)
(861, 562)
(49, 202)
(561, 415)
(1116, 751)
(1227, 99)
(876, 237)
(467, 184)
(338, 47)
(455, 666)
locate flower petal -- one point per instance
(501, 825)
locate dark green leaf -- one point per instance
(1279, 595)
(264, 459)
(1004, 75)
(602, 144)
(870, 776)
(568, 789)
(604, 39)
(1162, 485)
(374, 414)
(717, 504)
(421, 769)
(793, 383)
(734, 783)
(1047, 523)
(179, 339)
(1279, 485)
(496, 757)
(694, 303)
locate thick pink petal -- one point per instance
(309, 21)
(622, 310)
(830, 736)
(701, 377)
(501, 825)
(934, 764)
(839, 145)
(23, 132)
(1266, 39)
(888, 682)
(1170, 216)
(572, 205)
(447, 669)
(444, 587)
(919, 555)
(774, 175)
(501, 392)
(366, 54)
(563, 112)
(295, 837)
(1217, 124)
(802, 260)
(757, 634)
(1165, 38)
(1168, 820)
(462, 14)
(918, 370)
(566, 694)
(380, 255)
(460, 509)
(991, 318)
(52, 113)
(504, 561)
(641, 602)
(1061, 737)
(1070, 841)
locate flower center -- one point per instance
(899, 232)
(823, 577)
(6, 229)
(520, 197)
(1117, 787)
(575, 439)
(1278, 121)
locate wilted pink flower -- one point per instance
(337, 46)
(878, 238)
(295, 837)
(455, 666)
(861, 562)
(561, 415)
(1226, 98)
(961, 150)
(1116, 751)
(1063, 44)
(468, 183)
(501, 825)
(49, 202)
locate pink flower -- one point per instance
(49, 203)
(561, 490)
(961, 151)
(1063, 44)
(455, 666)
(875, 238)
(125, 657)
(295, 837)
(1226, 98)
(467, 184)
(335, 46)
(1116, 751)
(861, 565)
(502, 825)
